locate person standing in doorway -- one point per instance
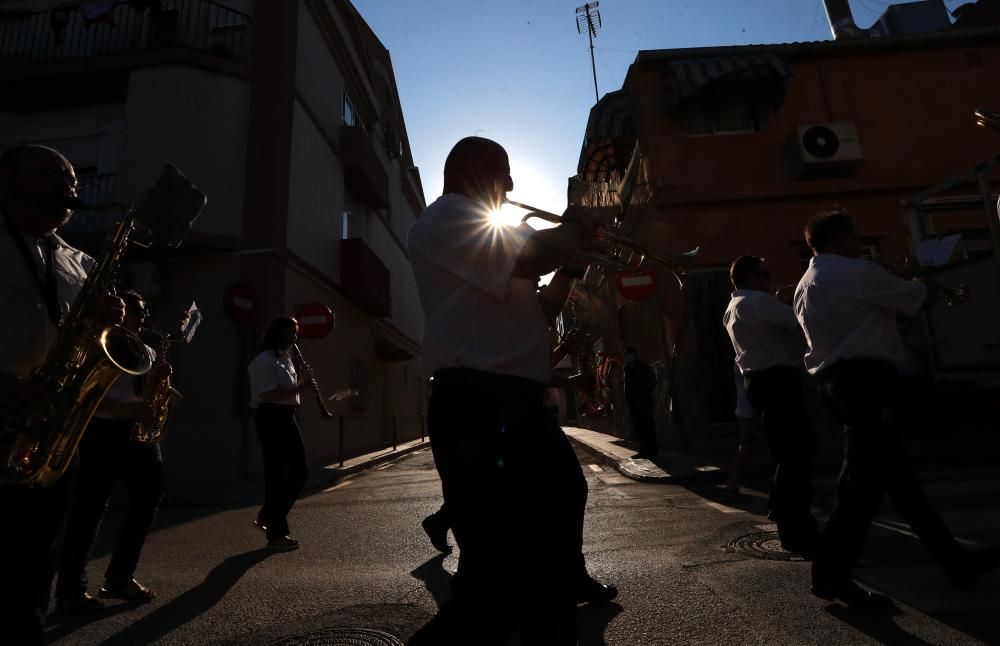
(640, 382)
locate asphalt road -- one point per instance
(365, 562)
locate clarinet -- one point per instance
(307, 369)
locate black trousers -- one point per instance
(33, 521)
(285, 467)
(776, 393)
(862, 394)
(643, 424)
(516, 496)
(108, 454)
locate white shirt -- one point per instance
(26, 332)
(123, 390)
(478, 315)
(763, 330)
(743, 406)
(268, 371)
(848, 308)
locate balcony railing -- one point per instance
(63, 34)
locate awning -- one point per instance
(609, 136)
(686, 77)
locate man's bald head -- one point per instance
(477, 167)
(35, 182)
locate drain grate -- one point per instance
(761, 545)
(341, 637)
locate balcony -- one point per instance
(364, 278)
(56, 59)
(364, 175)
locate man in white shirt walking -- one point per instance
(847, 308)
(769, 348)
(505, 464)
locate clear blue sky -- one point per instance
(518, 72)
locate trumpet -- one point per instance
(627, 254)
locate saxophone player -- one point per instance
(109, 452)
(40, 278)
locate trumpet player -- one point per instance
(275, 387)
(504, 463)
(769, 348)
(41, 277)
(109, 453)
(847, 308)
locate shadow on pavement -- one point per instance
(59, 626)
(880, 627)
(192, 603)
(436, 579)
(592, 620)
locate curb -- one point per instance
(636, 470)
(332, 474)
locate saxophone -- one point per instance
(159, 398)
(77, 372)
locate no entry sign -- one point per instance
(315, 320)
(636, 285)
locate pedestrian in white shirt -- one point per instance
(506, 467)
(848, 308)
(769, 348)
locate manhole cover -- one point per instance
(341, 637)
(761, 545)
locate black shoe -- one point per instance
(593, 591)
(966, 575)
(282, 544)
(438, 535)
(78, 605)
(131, 591)
(259, 523)
(856, 597)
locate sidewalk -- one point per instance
(244, 492)
(617, 454)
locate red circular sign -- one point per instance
(240, 303)
(636, 285)
(315, 320)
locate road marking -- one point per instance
(339, 485)
(717, 507)
(596, 468)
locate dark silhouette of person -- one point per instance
(640, 381)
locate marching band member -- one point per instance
(110, 453)
(41, 277)
(769, 348)
(848, 307)
(505, 464)
(274, 397)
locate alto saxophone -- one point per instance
(159, 398)
(78, 370)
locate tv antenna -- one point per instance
(588, 19)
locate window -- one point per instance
(724, 109)
(351, 115)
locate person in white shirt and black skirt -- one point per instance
(274, 396)
(504, 462)
(769, 348)
(848, 307)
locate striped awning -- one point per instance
(686, 77)
(608, 137)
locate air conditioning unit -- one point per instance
(825, 148)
